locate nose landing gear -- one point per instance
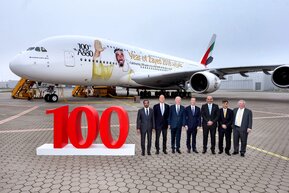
(51, 96)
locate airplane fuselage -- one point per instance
(77, 60)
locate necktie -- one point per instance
(225, 112)
(239, 118)
(178, 109)
(193, 111)
(162, 108)
(210, 108)
(147, 112)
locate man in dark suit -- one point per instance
(210, 114)
(193, 121)
(161, 113)
(145, 124)
(176, 122)
(225, 127)
(242, 126)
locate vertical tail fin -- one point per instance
(207, 58)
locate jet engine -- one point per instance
(204, 82)
(280, 76)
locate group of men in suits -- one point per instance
(175, 117)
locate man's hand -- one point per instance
(169, 126)
(138, 131)
(186, 127)
(249, 130)
(224, 126)
(210, 123)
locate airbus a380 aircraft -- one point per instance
(88, 61)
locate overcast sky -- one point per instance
(249, 32)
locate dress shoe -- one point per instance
(195, 151)
(213, 152)
(149, 153)
(242, 155)
(235, 153)
(220, 152)
(228, 153)
(179, 151)
(173, 151)
(143, 154)
(165, 152)
(204, 151)
(157, 152)
(189, 151)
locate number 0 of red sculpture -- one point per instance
(69, 126)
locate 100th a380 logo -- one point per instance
(68, 126)
(84, 50)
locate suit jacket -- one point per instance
(145, 122)
(247, 120)
(176, 120)
(193, 121)
(228, 120)
(214, 116)
(161, 121)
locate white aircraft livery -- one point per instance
(89, 61)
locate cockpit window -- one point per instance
(37, 49)
(31, 48)
(43, 49)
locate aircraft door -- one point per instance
(69, 60)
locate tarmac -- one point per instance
(24, 126)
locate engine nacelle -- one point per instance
(204, 82)
(280, 76)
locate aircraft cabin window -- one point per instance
(37, 49)
(80, 59)
(43, 49)
(31, 48)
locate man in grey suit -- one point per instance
(145, 124)
(242, 126)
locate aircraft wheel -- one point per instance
(46, 98)
(145, 94)
(149, 94)
(157, 94)
(141, 94)
(53, 98)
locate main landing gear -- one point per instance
(148, 94)
(51, 96)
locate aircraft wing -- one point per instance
(159, 79)
(221, 72)
(175, 78)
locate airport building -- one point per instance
(8, 84)
(254, 82)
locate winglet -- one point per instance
(207, 58)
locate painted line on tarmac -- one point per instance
(273, 117)
(266, 112)
(45, 129)
(26, 130)
(269, 153)
(18, 115)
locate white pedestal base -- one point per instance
(94, 149)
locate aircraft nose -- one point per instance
(15, 65)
